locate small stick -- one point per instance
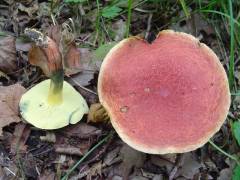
(82, 87)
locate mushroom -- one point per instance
(170, 96)
(53, 103)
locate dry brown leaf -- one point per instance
(9, 99)
(37, 57)
(47, 175)
(67, 47)
(54, 32)
(7, 54)
(76, 139)
(130, 159)
(70, 150)
(225, 174)
(82, 79)
(167, 161)
(81, 130)
(190, 166)
(47, 58)
(20, 136)
(71, 60)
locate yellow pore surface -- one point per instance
(35, 108)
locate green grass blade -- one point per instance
(65, 177)
(129, 17)
(231, 62)
(185, 8)
(223, 152)
(220, 13)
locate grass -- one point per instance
(185, 8)
(129, 17)
(65, 177)
(234, 158)
(231, 62)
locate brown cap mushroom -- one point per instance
(170, 96)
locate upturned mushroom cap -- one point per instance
(36, 110)
(170, 96)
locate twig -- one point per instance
(69, 151)
(148, 25)
(53, 20)
(82, 87)
(10, 171)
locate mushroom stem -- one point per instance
(56, 86)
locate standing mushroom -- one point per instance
(170, 96)
(52, 103)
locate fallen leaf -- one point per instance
(167, 161)
(76, 139)
(94, 170)
(54, 32)
(7, 54)
(158, 177)
(21, 45)
(63, 149)
(82, 130)
(112, 157)
(20, 136)
(82, 78)
(29, 165)
(89, 61)
(71, 60)
(130, 159)
(9, 100)
(225, 174)
(47, 58)
(190, 166)
(47, 175)
(70, 54)
(139, 178)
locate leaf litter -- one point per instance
(50, 154)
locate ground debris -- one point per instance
(68, 150)
(82, 130)
(8, 57)
(9, 99)
(47, 155)
(20, 136)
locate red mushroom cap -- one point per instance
(170, 96)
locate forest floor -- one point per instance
(90, 149)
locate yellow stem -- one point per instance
(55, 90)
